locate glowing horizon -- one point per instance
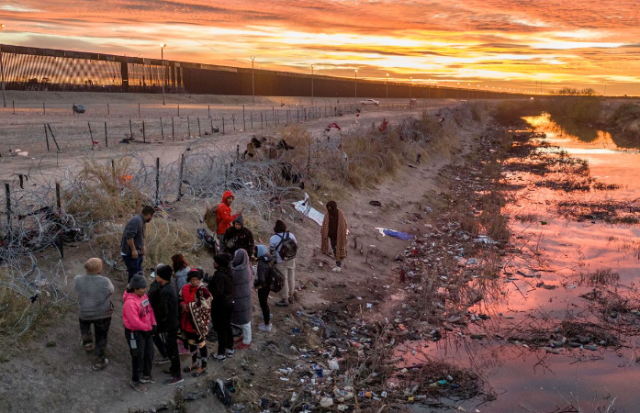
(502, 44)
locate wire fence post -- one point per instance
(144, 133)
(178, 110)
(106, 136)
(199, 130)
(7, 193)
(46, 136)
(157, 182)
(161, 129)
(53, 137)
(244, 124)
(173, 129)
(223, 124)
(138, 110)
(188, 128)
(180, 177)
(13, 102)
(91, 136)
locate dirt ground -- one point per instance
(51, 372)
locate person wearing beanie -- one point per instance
(286, 265)
(139, 327)
(221, 288)
(164, 301)
(263, 285)
(334, 233)
(238, 237)
(224, 217)
(95, 308)
(195, 304)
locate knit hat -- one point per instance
(165, 272)
(222, 260)
(239, 220)
(195, 272)
(93, 266)
(137, 282)
(280, 227)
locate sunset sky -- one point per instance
(497, 43)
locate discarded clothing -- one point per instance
(396, 234)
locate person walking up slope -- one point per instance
(334, 232)
(139, 327)
(283, 247)
(263, 284)
(94, 302)
(195, 304)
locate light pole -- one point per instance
(164, 70)
(386, 87)
(311, 85)
(355, 83)
(4, 98)
(253, 82)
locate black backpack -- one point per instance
(287, 248)
(275, 279)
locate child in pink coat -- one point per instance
(139, 326)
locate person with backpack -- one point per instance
(167, 312)
(241, 316)
(195, 305)
(139, 327)
(224, 217)
(334, 232)
(221, 288)
(284, 247)
(238, 236)
(263, 285)
(94, 303)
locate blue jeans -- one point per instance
(134, 266)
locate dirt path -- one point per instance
(52, 373)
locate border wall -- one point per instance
(28, 68)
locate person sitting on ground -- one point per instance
(334, 232)
(224, 217)
(139, 327)
(221, 288)
(95, 307)
(263, 285)
(180, 268)
(195, 304)
(133, 245)
(236, 237)
(241, 315)
(287, 264)
(167, 312)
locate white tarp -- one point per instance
(308, 211)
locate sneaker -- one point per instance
(219, 357)
(147, 379)
(164, 360)
(100, 364)
(230, 352)
(199, 372)
(173, 381)
(243, 346)
(336, 269)
(282, 303)
(137, 386)
(265, 328)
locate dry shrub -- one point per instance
(104, 192)
(14, 313)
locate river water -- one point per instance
(541, 287)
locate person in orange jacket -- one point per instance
(223, 215)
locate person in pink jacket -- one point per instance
(139, 327)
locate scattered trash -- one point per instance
(395, 234)
(308, 211)
(375, 203)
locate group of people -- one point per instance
(183, 305)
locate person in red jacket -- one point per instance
(223, 215)
(195, 304)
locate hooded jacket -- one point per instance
(137, 313)
(242, 277)
(221, 288)
(263, 279)
(164, 302)
(223, 215)
(234, 239)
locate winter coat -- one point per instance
(223, 215)
(221, 288)
(181, 277)
(263, 278)
(242, 279)
(137, 313)
(187, 295)
(164, 302)
(341, 244)
(238, 238)
(94, 296)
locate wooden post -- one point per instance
(180, 176)
(211, 122)
(199, 130)
(178, 110)
(14, 106)
(46, 136)
(233, 121)
(7, 193)
(188, 128)
(106, 136)
(58, 198)
(91, 135)
(173, 129)
(223, 124)
(53, 137)
(144, 133)
(161, 129)
(157, 182)
(244, 124)
(138, 110)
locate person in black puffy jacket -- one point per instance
(263, 283)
